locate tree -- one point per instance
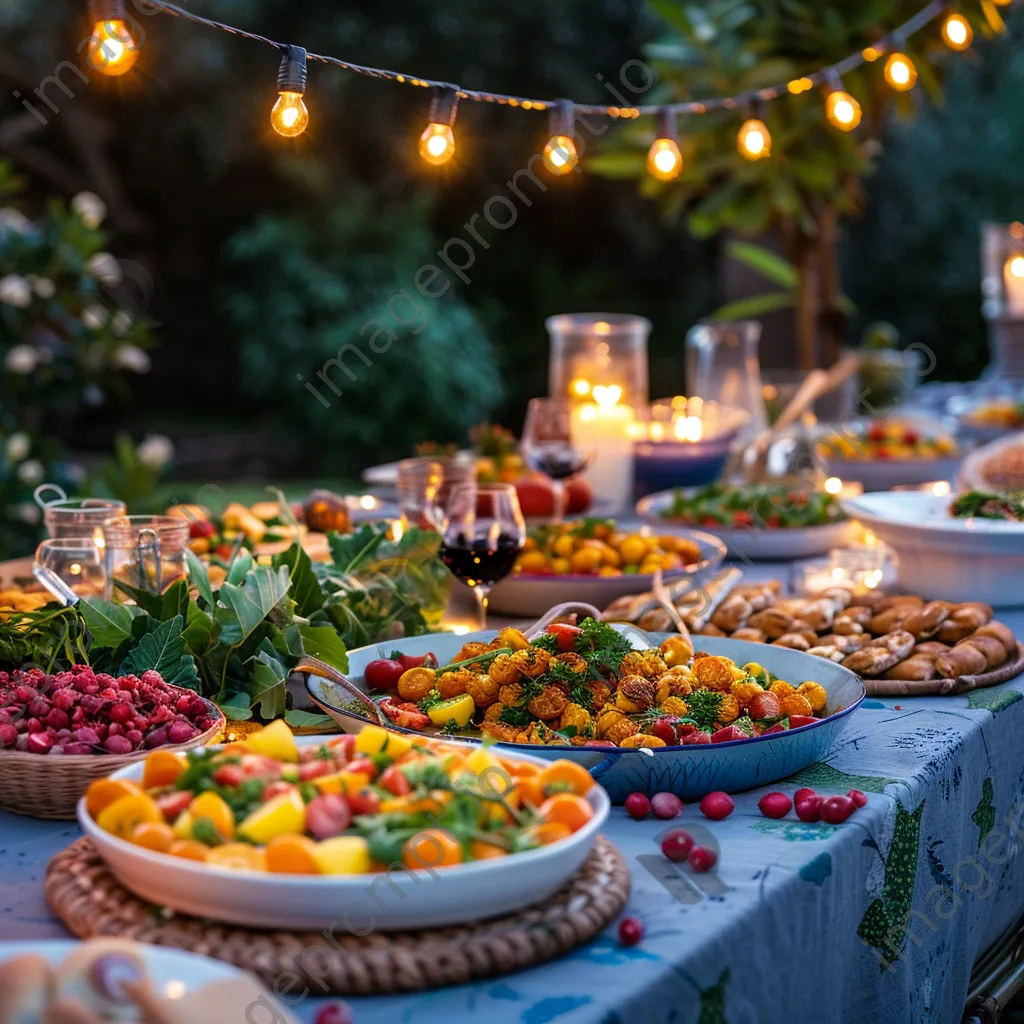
(813, 176)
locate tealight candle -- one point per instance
(604, 427)
(1013, 283)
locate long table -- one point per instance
(879, 919)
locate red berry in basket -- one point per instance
(803, 794)
(57, 718)
(328, 815)
(180, 732)
(334, 1013)
(77, 748)
(717, 805)
(775, 805)
(38, 708)
(859, 798)
(34, 725)
(631, 931)
(117, 745)
(157, 738)
(702, 859)
(809, 809)
(24, 694)
(8, 735)
(666, 805)
(134, 737)
(637, 806)
(65, 698)
(836, 809)
(677, 844)
(38, 743)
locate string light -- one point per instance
(437, 143)
(290, 116)
(842, 110)
(664, 161)
(957, 32)
(754, 141)
(111, 48)
(900, 72)
(560, 153)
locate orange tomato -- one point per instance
(292, 854)
(190, 849)
(121, 817)
(431, 848)
(238, 856)
(531, 792)
(153, 835)
(104, 792)
(236, 747)
(519, 769)
(486, 851)
(567, 776)
(214, 808)
(547, 832)
(567, 809)
(162, 769)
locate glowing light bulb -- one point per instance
(833, 485)
(957, 32)
(560, 154)
(664, 160)
(842, 110)
(1015, 266)
(754, 140)
(289, 116)
(437, 143)
(900, 72)
(111, 48)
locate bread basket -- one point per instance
(47, 786)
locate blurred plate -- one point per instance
(965, 409)
(970, 476)
(753, 543)
(534, 593)
(386, 474)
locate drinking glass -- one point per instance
(75, 517)
(147, 552)
(78, 561)
(722, 365)
(548, 446)
(424, 486)
(483, 533)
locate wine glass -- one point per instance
(549, 448)
(483, 534)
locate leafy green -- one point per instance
(163, 651)
(323, 642)
(110, 624)
(305, 590)
(703, 706)
(987, 506)
(299, 719)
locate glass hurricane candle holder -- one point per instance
(593, 352)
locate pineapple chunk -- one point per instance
(283, 814)
(343, 855)
(373, 739)
(276, 741)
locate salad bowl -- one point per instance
(688, 771)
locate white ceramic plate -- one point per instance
(881, 474)
(755, 544)
(945, 558)
(533, 594)
(355, 904)
(969, 477)
(170, 969)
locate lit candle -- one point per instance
(604, 427)
(1013, 282)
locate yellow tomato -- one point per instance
(239, 856)
(671, 561)
(586, 560)
(609, 570)
(216, 811)
(610, 557)
(122, 816)
(532, 561)
(343, 855)
(632, 549)
(280, 815)
(276, 741)
(103, 792)
(162, 768)
(561, 566)
(373, 739)
(564, 546)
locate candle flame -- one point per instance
(940, 488)
(833, 485)
(580, 386)
(1015, 266)
(601, 327)
(657, 431)
(606, 395)
(689, 428)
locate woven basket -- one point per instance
(42, 786)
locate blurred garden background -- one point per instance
(245, 260)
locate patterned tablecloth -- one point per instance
(877, 919)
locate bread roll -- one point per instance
(709, 629)
(732, 613)
(827, 651)
(1003, 634)
(887, 620)
(93, 973)
(907, 602)
(995, 653)
(772, 622)
(963, 660)
(795, 641)
(925, 622)
(753, 635)
(917, 666)
(932, 648)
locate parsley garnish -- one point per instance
(431, 700)
(601, 645)
(546, 642)
(514, 716)
(703, 706)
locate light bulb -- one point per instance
(111, 48)
(842, 110)
(289, 116)
(900, 72)
(957, 32)
(437, 143)
(754, 139)
(560, 155)
(664, 160)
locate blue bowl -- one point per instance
(691, 771)
(662, 465)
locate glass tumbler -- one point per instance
(75, 517)
(146, 552)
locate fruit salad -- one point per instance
(595, 547)
(586, 686)
(888, 439)
(351, 805)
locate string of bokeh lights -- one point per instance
(113, 49)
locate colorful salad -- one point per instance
(772, 507)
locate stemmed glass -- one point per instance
(484, 531)
(548, 446)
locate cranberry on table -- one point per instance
(775, 805)
(802, 794)
(677, 844)
(702, 859)
(666, 805)
(809, 809)
(717, 805)
(631, 931)
(637, 806)
(836, 809)
(334, 1013)
(859, 798)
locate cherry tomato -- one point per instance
(172, 804)
(394, 781)
(230, 775)
(364, 802)
(201, 528)
(362, 765)
(276, 789)
(383, 673)
(314, 769)
(328, 815)
(565, 634)
(408, 661)
(343, 747)
(742, 519)
(774, 521)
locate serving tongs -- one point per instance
(55, 585)
(315, 667)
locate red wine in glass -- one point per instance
(476, 560)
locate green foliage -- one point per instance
(341, 286)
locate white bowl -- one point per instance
(943, 558)
(881, 474)
(534, 593)
(753, 543)
(357, 904)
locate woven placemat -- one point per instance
(91, 902)
(946, 687)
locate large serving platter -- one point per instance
(687, 771)
(534, 593)
(945, 558)
(396, 901)
(750, 542)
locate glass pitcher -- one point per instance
(146, 552)
(722, 365)
(75, 517)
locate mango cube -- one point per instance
(343, 855)
(275, 741)
(376, 740)
(284, 813)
